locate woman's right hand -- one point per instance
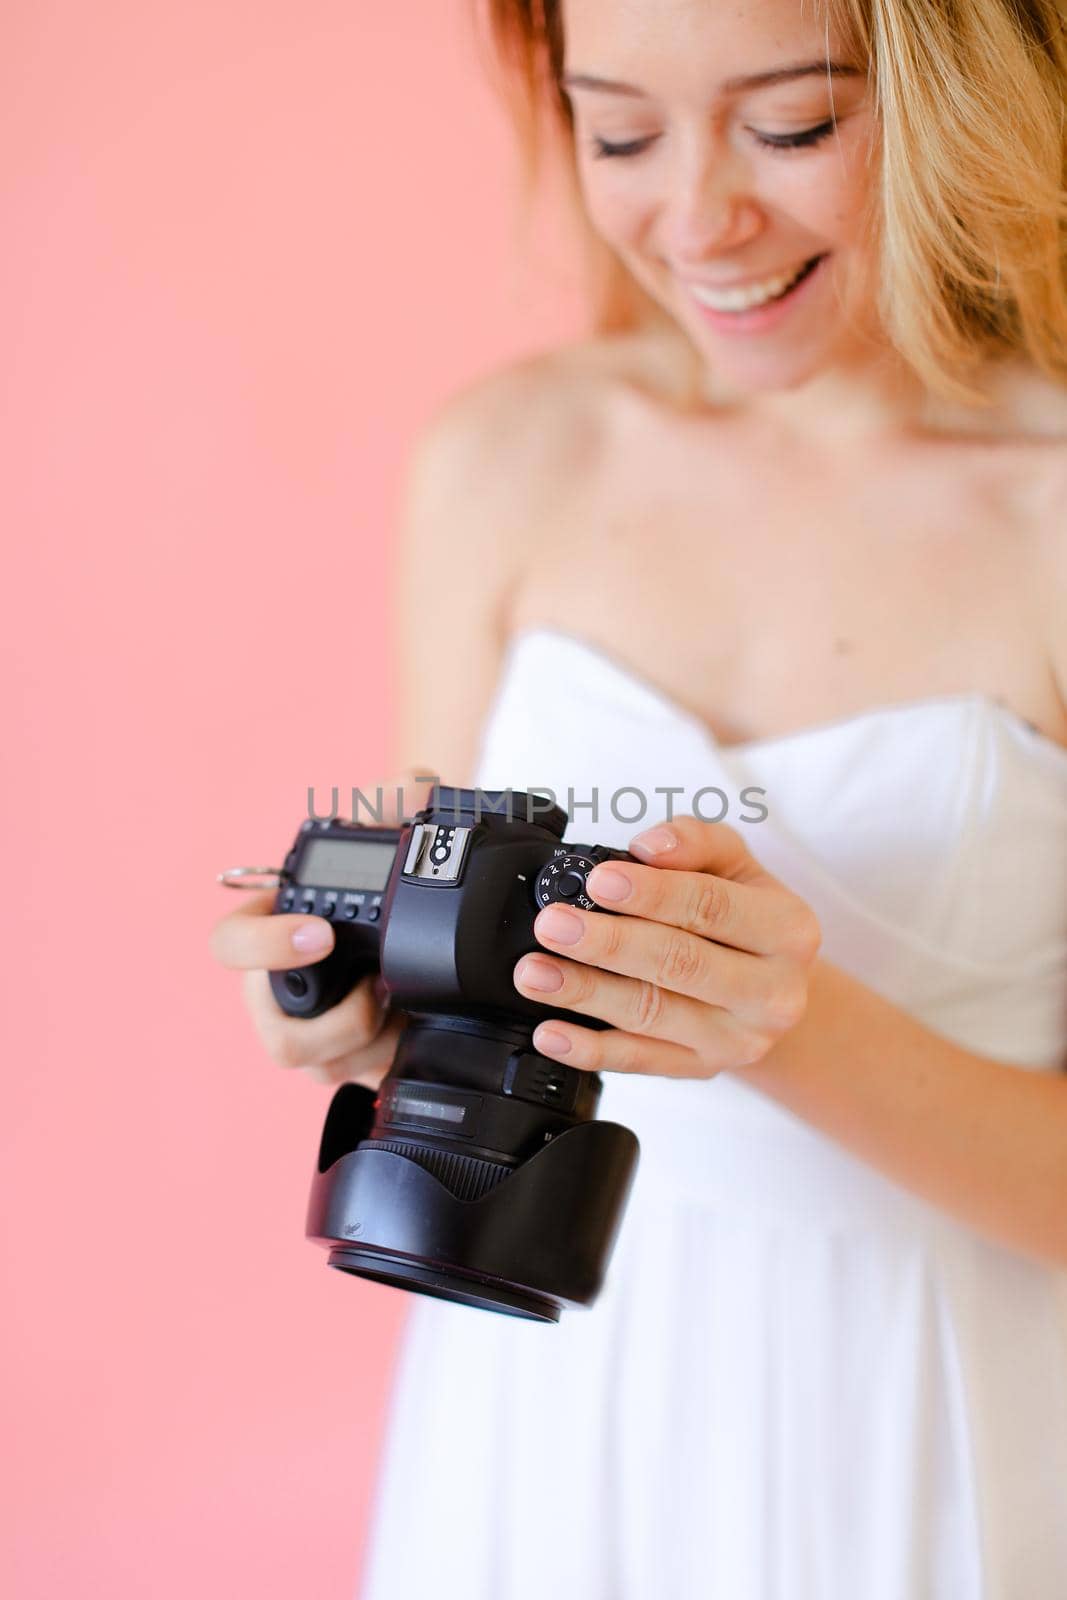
(353, 1042)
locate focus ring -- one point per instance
(467, 1177)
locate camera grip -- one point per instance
(309, 991)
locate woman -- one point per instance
(792, 521)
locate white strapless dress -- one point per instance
(800, 1382)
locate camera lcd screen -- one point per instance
(340, 864)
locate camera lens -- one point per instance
(477, 1173)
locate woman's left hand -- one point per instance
(705, 969)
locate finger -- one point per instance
(639, 1007)
(367, 1066)
(688, 844)
(350, 1026)
(251, 937)
(764, 918)
(611, 1050)
(754, 988)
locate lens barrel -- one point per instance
(477, 1174)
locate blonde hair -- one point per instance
(970, 100)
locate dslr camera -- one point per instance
(478, 1171)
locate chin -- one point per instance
(760, 372)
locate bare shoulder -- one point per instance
(517, 437)
(483, 477)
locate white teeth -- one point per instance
(750, 295)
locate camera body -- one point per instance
(478, 1172)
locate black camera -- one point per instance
(478, 1172)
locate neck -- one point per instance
(869, 394)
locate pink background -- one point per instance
(248, 246)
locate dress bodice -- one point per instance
(930, 837)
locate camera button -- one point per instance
(351, 911)
(296, 984)
(570, 883)
(374, 913)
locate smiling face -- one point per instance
(731, 173)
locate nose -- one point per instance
(710, 209)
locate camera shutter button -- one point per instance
(296, 984)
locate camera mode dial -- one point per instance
(563, 878)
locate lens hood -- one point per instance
(536, 1243)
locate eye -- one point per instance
(794, 141)
(632, 147)
(605, 149)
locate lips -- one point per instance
(769, 316)
(749, 296)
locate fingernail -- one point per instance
(312, 936)
(607, 884)
(654, 841)
(543, 975)
(551, 1041)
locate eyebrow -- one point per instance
(754, 80)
